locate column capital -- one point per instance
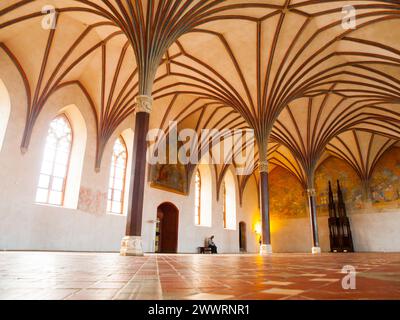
(311, 192)
(144, 104)
(263, 166)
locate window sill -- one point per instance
(54, 206)
(116, 214)
(202, 226)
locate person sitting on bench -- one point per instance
(212, 245)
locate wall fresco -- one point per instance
(385, 182)
(92, 201)
(287, 199)
(169, 177)
(334, 169)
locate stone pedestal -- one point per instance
(316, 250)
(131, 246)
(265, 249)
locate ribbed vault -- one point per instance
(285, 68)
(362, 151)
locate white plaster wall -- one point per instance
(28, 226)
(25, 225)
(376, 231)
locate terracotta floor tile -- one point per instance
(281, 276)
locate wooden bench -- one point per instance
(204, 250)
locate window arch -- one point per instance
(55, 164)
(197, 198)
(116, 189)
(229, 201)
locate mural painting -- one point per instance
(92, 201)
(287, 198)
(169, 177)
(385, 182)
(333, 169)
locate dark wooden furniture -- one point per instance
(339, 224)
(204, 250)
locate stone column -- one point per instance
(313, 218)
(266, 247)
(131, 244)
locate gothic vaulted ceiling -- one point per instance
(288, 69)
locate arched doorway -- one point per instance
(167, 228)
(242, 237)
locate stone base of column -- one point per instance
(316, 250)
(131, 246)
(265, 249)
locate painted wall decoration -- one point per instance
(92, 201)
(333, 169)
(169, 177)
(385, 182)
(287, 198)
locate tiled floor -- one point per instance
(36, 275)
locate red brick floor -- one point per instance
(37, 275)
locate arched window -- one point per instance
(229, 201)
(224, 201)
(116, 190)
(197, 198)
(54, 170)
(203, 196)
(5, 108)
